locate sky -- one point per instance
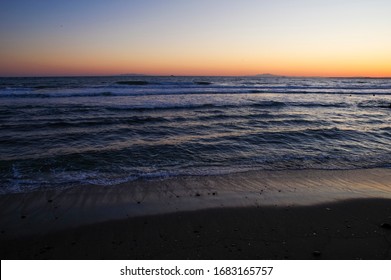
(195, 37)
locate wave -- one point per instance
(331, 105)
(133, 83)
(331, 91)
(83, 123)
(168, 93)
(264, 104)
(268, 104)
(218, 107)
(123, 90)
(375, 104)
(57, 95)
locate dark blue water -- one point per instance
(108, 130)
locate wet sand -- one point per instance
(253, 215)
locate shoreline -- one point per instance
(31, 220)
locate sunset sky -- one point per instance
(200, 37)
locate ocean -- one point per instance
(58, 132)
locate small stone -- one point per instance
(316, 253)
(23, 217)
(50, 200)
(197, 194)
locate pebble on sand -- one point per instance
(316, 253)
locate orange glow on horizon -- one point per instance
(228, 69)
(199, 62)
(199, 66)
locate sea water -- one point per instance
(66, 131)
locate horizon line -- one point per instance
(265, 75)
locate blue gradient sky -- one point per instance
(326, 38)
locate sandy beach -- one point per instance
(315, 214)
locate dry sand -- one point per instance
(252, 215)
